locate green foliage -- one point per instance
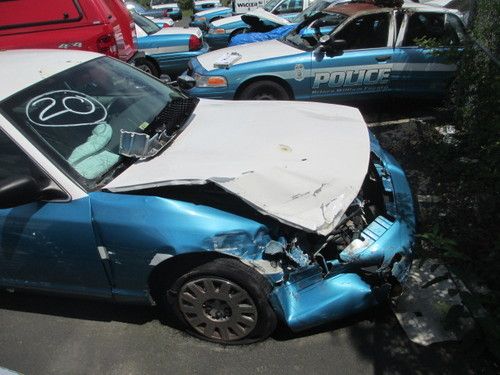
(468, 235)
(186, 4)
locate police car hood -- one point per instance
(180, 31)
(248, 53)
(301, 163)
(253, 17)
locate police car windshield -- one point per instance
(76, 116)
(306, 35)
(270, 5)
(310, 11)
(148, 26)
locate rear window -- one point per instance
(25, 13)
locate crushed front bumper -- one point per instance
(365, 274)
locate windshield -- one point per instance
(271, 4)
(310, 11)
(76, 116)
(148, 26)
(306, 35)
(137, 7)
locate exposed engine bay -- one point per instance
(287, 248)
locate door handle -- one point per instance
(383, 58)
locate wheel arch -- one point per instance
(169, 270)
(154, 62)
(273, 78)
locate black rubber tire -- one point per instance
(257, 287)
(148, 66)
(264, 90)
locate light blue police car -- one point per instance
(284, 27)
(222, 30)
(169, 7)
(167, 50)
(370, 54)
(202, 19)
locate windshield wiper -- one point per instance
(161, 132)
(173, 116)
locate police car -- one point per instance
(370, 54)
(167, 50)
(170, 7)
(233, 215)
(257, 18)
(222, 30)
(203, 18)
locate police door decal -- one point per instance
(352, 79)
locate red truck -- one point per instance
(103, 26)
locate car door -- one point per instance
(47, 245)
(363, 69)
(425, 66)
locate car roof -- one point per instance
(350, 9)
(23, 68)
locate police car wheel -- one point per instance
(148, 67)
(264, 90)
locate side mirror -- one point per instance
(332, 47)
(186, 82)
(19, 190)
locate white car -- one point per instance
(116, 186)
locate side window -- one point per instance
(289, 6)
(443, 29)
(15, 162)
(370, 31)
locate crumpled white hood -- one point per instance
(301, 163)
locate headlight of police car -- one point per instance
(210, 81)
(216, 31)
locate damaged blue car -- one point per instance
(114, 185)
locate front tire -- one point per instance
(148, 66)
(264, 90)
(224, 301)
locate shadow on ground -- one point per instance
(373, 337)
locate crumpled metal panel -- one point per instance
(301, 163)
(304, 305)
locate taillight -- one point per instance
(106, 44)
(165, 25)
(195, 43)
